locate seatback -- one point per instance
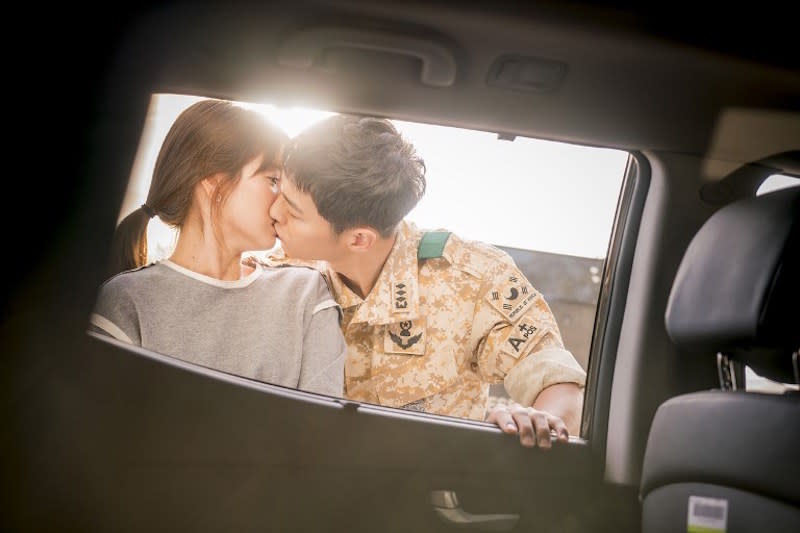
(729, 459)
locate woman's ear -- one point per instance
(209, 186)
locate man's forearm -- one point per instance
(564, 400)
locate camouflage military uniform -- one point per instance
(433, 334)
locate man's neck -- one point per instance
(360, 271)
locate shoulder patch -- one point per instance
(511, 296)
(432, 243)
(521, 338)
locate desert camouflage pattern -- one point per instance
(433, 334)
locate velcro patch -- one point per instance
(521, 338)
(512, 298)
(406, 337)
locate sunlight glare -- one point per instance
(529, 193)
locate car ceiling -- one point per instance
(626, 84)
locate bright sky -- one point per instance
(532, 194)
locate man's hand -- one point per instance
(534, 427)
(557, 410)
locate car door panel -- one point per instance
(145, 442)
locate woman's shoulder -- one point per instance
(297, 282)
(134, 277)
(292, 273)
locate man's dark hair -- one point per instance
(358, 171)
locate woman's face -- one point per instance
(244, 219)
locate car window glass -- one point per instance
(550, 205)
(756, 383)
(776, 182)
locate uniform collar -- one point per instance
(395, 296)
(277, 258)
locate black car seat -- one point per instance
(728, 459)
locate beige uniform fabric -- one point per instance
(433, 334)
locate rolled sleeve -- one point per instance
(539, 370)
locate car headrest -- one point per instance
(737, 289)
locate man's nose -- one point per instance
(277, 209)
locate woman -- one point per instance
(214, 180)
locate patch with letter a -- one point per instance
(512, 297)
(406, 337)
(521, 338)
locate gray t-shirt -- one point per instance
(277, 325)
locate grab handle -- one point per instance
(303, 47)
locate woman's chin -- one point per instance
(266, 244)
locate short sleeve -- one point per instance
(115, 313)
(324, 348)
(323, 298)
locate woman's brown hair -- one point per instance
(208, 138)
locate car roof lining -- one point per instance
(577, 112)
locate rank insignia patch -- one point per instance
(406, 337)
(402, 296)
(512, 298)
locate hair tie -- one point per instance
(148, 210)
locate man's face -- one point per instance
(303, 233)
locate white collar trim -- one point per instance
(222, 283)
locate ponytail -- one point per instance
(129, 245)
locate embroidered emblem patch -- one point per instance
(512, 298)
(402, 295)
(521, 338)
(405, 337)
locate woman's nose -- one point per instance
(276, 210)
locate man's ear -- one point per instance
(361, 238)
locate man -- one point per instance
(430, 320)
